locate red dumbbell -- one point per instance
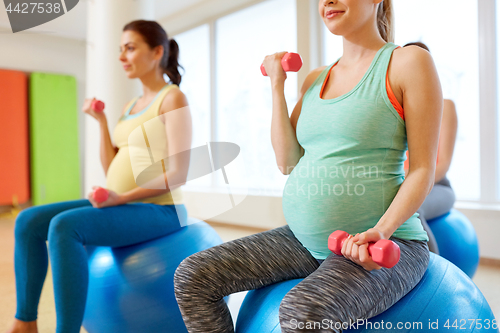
(97, 105)
(100, 194)
(384, 252)
(291, 62)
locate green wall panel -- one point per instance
(54, 148)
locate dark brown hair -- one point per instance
(422, 45)
(154, 35)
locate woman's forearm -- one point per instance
(283, 137)
(176, 180)
(107, 151)
(408, 200)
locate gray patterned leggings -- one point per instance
(337, 289)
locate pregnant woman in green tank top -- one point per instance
(343, 148)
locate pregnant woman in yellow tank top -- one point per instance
(131, 214)
(343, 148)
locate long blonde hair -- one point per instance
(385, 20)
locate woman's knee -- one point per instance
(299, 310)
(193, 272)
(452, 198)
(438, 202)
(446, 197)
(61, 226)
(27, 222)
(309, 307)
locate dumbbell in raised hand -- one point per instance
(291, 62)
(384, 252)
(97, 105)
(100, 194)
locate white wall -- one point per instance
(43, 52)
(200, 13)
(486, 222)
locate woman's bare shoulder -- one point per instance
(448, 103)
(409, 62)
(410, 55)
(175, 99)
(311, 77)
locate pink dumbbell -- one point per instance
(384, 252)
(97, 105)
(100, 194)
(291, 62)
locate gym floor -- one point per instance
(486, 278)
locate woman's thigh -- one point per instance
(35, 220)
(118, 225)
(204, 278)
(341, 289)
(247, 263)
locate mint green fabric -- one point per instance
(352, 167)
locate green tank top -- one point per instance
(352, 168)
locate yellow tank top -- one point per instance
(120, 177)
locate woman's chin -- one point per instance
(334, 31)
(130, 75)
(333, 28)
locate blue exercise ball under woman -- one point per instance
(343, 148)
(131, 214)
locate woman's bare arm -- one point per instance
(107, 150)
(447, 137)
(287, 149)
(423, 105)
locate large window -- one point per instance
(243, 97)
(194, 56)
(451, 34)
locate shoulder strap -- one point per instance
(128, 107)
(383, 62)
(162, 97)
(317, 85)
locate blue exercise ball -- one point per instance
(444, 297)
(456, 240)
(131, 288)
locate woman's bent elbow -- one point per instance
(286, 169)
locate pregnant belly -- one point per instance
(120, 177)
(320, 199)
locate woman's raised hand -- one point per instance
(272, 65)
(87, 108)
